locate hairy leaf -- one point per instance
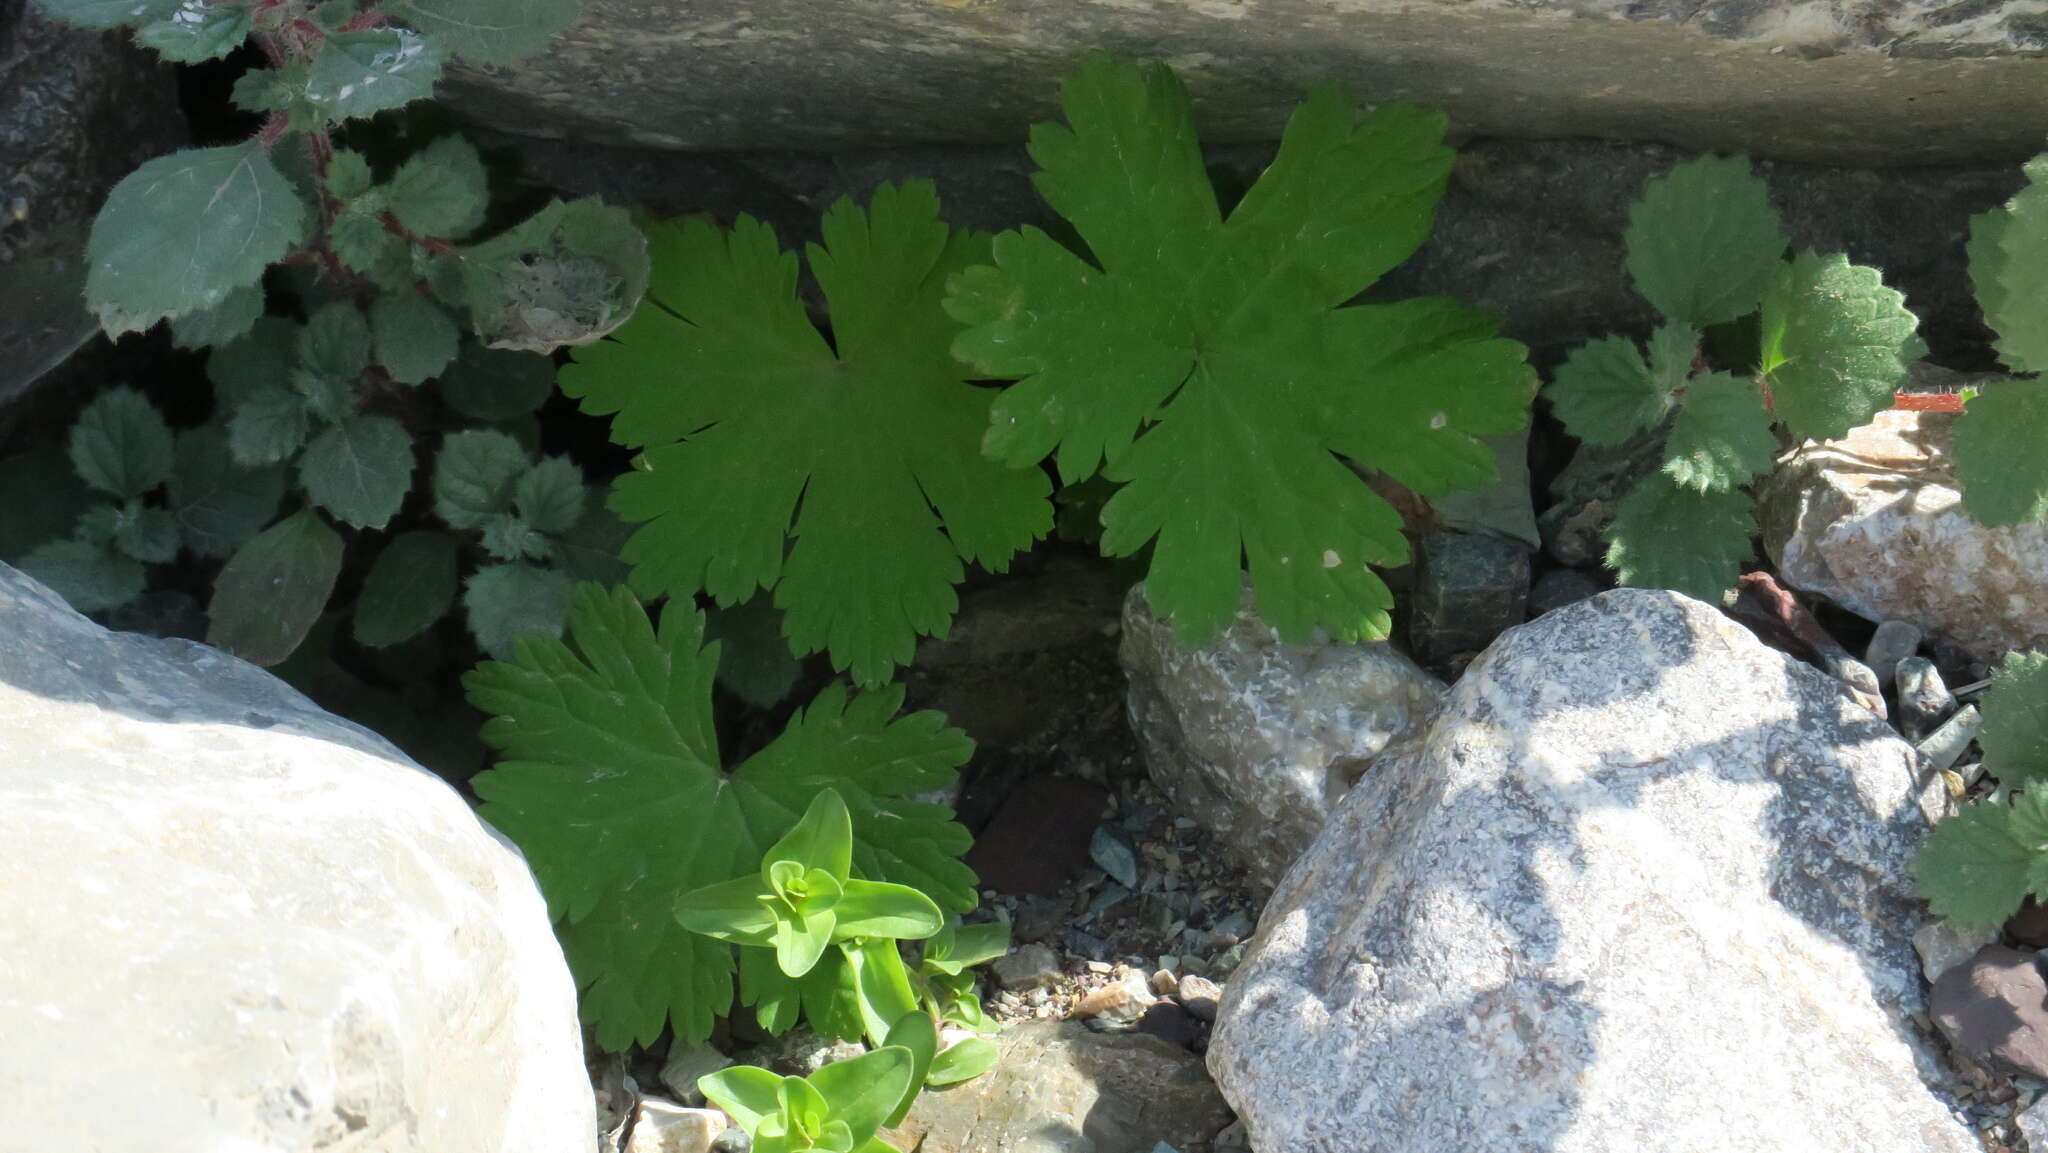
(411, 586)
(183, 231)
(336, 341)
(1834, 342)
(109, 13)
(364, 73)
(509, 601)
(224, 323)
(90, 577)
(270, 592)
(1604, 392)
(759, 432)
(120, 444)
(489, 31)
(1704, 242)
(551, 496)
(475, 476)
(197, 30)
(611, 783)
(217, 505)
(2001, 453)
(1226, 344)
(2015, 736)
(1977, 867)
(412, 338)
(440, 190)
(1664, 536)
(348, 174)
(359, 469)
(2009, 264)
(1722, 437)
(507, 537)
(267, 427)
(150, 535)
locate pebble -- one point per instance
(1199, 995)
(685, 1064)
(1945, 745)
(1893, 642)
(1123, 1000)
(666, 1127)
(1028, 967)
(1924, 699)
(1943, 944)
(1164, 982)
(1113, 856)
(1994, 1010)
(1171, 1023)
(1863, 683)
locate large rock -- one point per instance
(1875, 523)
(1060, 1087)
(1808, 77)
(1257, 739)
(234, 921)
(1642, 886)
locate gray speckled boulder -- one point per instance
(1642, 886)
(1889, 84)
(1256, 739)
(235, 922)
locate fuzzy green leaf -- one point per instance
(612, 785)
(183, 231)
(364, 73)
(1227, 346)
(1604, 392)
(1978, 866)
(1722, 437)
(359, 470)
(440, 190)
(411, 338)
(2001, 453)
(224, 323)
(1704, 242)
(267, 427)
(475, 476)
(1834, 343)
(507, 537)
(336, 341)
(109, 13)
(328, 399)
(506, 602)
(361, 242)
(348, 174)
(196, 31)
(551, 495)
(120, 444)
(492, 384)
(2009, 264)
(1664, 536)
(2015, 736)
(760, 432)
(150, 535)
(90, 577)
(272, 590)
(411, 586)
(218, 505)
(568, 275)
(489, 31)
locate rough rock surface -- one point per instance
(235, 921)
(1060, 1087)
(1891, 84)
(1875, 523)
(1257, 740)
(1643, 885)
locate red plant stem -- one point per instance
(1927, 402)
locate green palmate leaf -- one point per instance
(476, 475)
(551, 495)
(1225, 344)
(183, 231)
(272, 590)
(224, 323)
(90, 577)
(359, 469)
(493, 384)
(109, 13)
(612, 786)
(964, 1060)
(2015, 737)
(759, 431)
(509, 538)
(1722, 437)
(2000, 455)
(440, 190)
(754, 661)
(150, 535)
(364, 73)
(567, 276)
(196, 31)
(1604, 392)
(218, 505)
(120, 444)
(2009, 265)
(411, 586)
(267, 427)
(411, 338)
(348, 174)
(1704, 242)
(1664, 536)
(262, 357)
(1978, 866)
(506, 602)
(1834, 342)
(489, 31)
(336, 341)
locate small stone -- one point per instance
(1943, 944)
(733, 1140)
(1994, 1010)
(2034, 1125)
(1863, 683)
(1924, 699)
(1038, 836)
(1164, 982)
(1199, 996)
(686, 1063)
(1122, 1000)
(1109, 898)
(1171, 1023)
(1100, 967)
(1029, 967)
(1233, 1136)
(1945, 745)
(1893, 642)
(2028, 927)
(1114, 857)
(1473, 587)
(666, 1127)
(1037, 919)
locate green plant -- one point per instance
(391, 286)
(843, 475)
(611, 783)
(1978, 866)
(835, 1110)
(1210, 366)
(1705, 248)
(1999, 437)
